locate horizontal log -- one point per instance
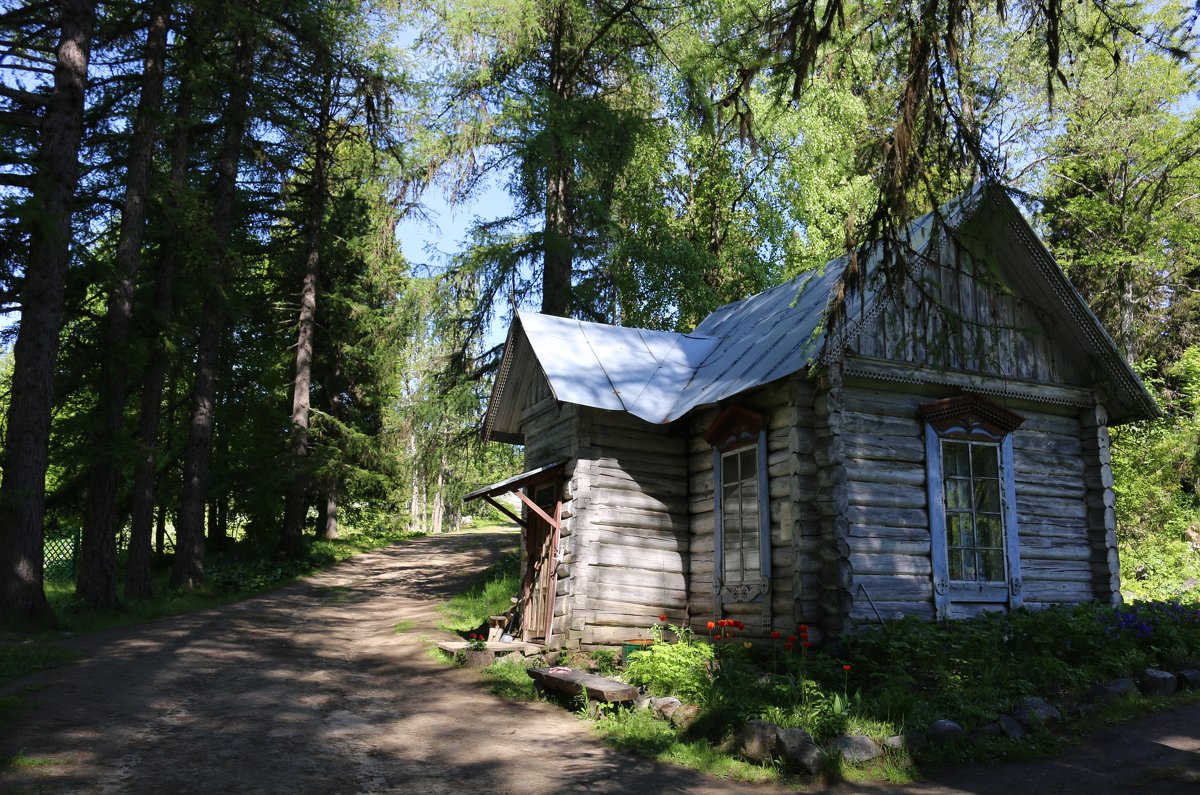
(879, 563)
(608, 575)
(864, 615)
(893, 517)
(885, 534)
(1028, 463)
(1055, 571)
(873, 422)
(628, 517)
(1036, 526)
(671, 603)
(650, 542)
(633, 558)
(864, 447)
(893, 472)
(894, 587)
(1056, 592)
(885, 495)
(1054, 549)
(1033, 442)
(652, 502)
(881, 545)
(1051, 507)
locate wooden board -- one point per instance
(574, 682)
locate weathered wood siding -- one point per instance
(795, 542)
(628, 562)
(886, 501)
(960, 314)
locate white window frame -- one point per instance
(732, 433)
(976, 421)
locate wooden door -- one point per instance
(541, 542)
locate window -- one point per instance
(739, 515)
(742, 534)
(974, 521)
(972, 503)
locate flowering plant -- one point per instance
(476, 642)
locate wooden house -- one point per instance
(934, 444)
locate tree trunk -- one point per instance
(188, 570)
(291, 542)
(328, 529)
(160, 538)
(96, 579)
(558, 232)
(145, 475)
(439, 500)
(27, 437)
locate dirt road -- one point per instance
(309, 690)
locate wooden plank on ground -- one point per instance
(451, 646)
(574, 682)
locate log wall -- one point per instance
(629, 559)
(791, 482)
(886, 502)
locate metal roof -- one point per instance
(660, 376)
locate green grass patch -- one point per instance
(490, 595)
(404, 625)
(510, 680)
(22, 761)
(26, 657)
(642, 733)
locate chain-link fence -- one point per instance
(61, 553)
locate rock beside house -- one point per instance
(1035, 713)
(1154, 682)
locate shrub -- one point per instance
(680, 669)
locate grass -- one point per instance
(22, 658)
(22, 761)
(490, 595)
(898, 681)
(404, 625)
(640, 732)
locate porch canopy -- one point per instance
(539, 578)
(530, 479)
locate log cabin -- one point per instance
(932, 442)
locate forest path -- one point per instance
(308, 690)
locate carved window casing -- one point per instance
(972, 502)
(741, 510)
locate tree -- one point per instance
(96, 579)
(1121, 196)
(548, 93)
(188, 568)
(47, 216)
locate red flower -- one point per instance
(792, 638)
(662, 618)
(776, 635)
(739, 625)
(788, 645)
(807, 645)
(712, 625)
(845, 667)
